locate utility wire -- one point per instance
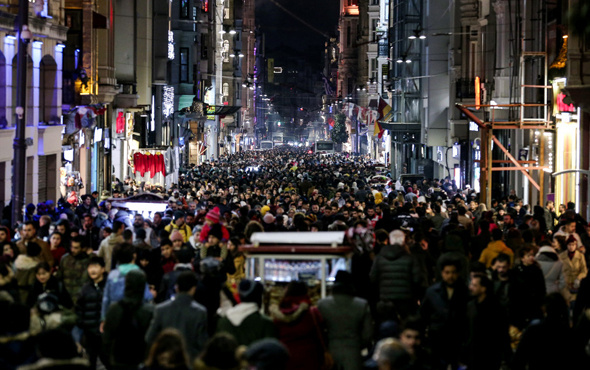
(298, 18)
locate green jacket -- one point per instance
(73, 272)
(247, 324)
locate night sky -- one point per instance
(283, 28)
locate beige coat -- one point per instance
(574, 271)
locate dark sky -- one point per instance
(283, 28)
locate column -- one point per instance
(9, 53)
(37, 55)
(58, 56)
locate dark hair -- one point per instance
(79, 239)
(42, 265)
(31, 223)
(524, 250)
(296, 289)
(485, 282)
(123, 253)
(220, 351)
(15, 249)
(413, 323)
(33, 249)
(497, 234)
(502, 257)
(449, 260)
(117, 225)
(140, 234)
(168, 341)
(127, 234)
(185, 281)
(95, 260)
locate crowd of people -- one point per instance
(436, 279)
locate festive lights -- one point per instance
(171, 45)
(168, 101)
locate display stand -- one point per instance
(286, 248)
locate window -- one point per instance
(374, 25)
(184, 64)
(225, 52)
(374, 66)
(184, 9)
(204, 50)
(348, 35)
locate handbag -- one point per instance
(328, 360)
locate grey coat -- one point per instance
(552, 269)
(348, 321)
(184, 314)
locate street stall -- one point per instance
(145, 204)
(281, 257)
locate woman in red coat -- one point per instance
(296, 320)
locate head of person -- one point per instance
(250, 291)
(391, 354)
(215, 234)
(96, 268)
(501, 264)
(179, 218)
(166, 249)
(118, 227)
(124, 253)
(267, 354)
(570, 226)
(187, 283)
(177, 239)
(397, 237)
(42, 272)
(87, 200)
(480, 286)
(497, 235)
(88, 221)
(168, 351)
(508, 219)
(157, 218)
(29, 231)
(10, 250)
(572, 244)
(138, 220)
(449, 268)
(55, 239)
(220, 352)
(77, 246)
(140, 234)
(33, 249)
(411, 333)
(527, 255)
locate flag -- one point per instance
(378, 130)
(331, 121)
(384, 109)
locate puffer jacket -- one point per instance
(72, 271)
(88, 306)
(552, 268)
(25, 274)
(399, 276)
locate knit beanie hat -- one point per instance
(178, 214)
(176, 235)
(264, 209)
(213, 215)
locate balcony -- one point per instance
(465, 88)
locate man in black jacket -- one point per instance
(443, 310)
(182, 313)
(88, 308)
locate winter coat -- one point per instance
(349, 326)
(552, 269)
(45, 255)
(575, 268)
(246, 324)
(73, 272)
(88, 306)
(25, 274)
(126, 324)
(526, 294)
(298, 332)
(445, 319)
(115, 287)
(105, 250)
(184, 314)
(397, 274)
(493, 250)
(9, 284)
(53, 286)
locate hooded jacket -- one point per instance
(552, 268)
(245, 322)
(72, 271)
(127, 322)
(25, 274)
(396, 272)
(492, 251)
(105, 250)
(115, 287)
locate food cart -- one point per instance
(281, 257)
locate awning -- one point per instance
(185, 101)
(401, 126)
